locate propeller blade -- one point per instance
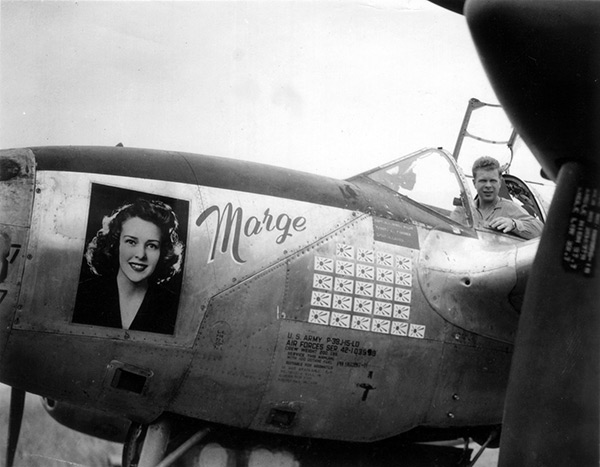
(457, 6)
(552, 404)
(17, 407)
(543, 58)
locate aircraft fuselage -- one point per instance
(306, 305)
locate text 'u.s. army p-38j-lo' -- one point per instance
(166, 294)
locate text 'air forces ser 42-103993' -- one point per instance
(151, 294)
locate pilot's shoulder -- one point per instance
(512, 208)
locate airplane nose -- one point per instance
(17, 184)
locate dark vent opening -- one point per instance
(128, 381)
(281, 418)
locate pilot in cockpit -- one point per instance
(495, 212)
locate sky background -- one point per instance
(328, 87)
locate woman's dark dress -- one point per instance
(97, 303)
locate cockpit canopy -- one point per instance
(431, 178)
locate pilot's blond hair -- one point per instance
(485, 163)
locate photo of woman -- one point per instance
(131, 259)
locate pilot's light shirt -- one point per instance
(527, 226)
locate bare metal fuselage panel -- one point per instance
(306, 306)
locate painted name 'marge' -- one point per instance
(232, 224)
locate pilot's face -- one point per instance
(487, 184)
(139, 249)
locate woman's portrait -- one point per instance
(130, 262)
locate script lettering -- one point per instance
(232, 226)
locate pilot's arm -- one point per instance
(514, 219)
(528, 227)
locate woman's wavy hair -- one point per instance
(102, 254)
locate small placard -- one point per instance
(396, 233)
